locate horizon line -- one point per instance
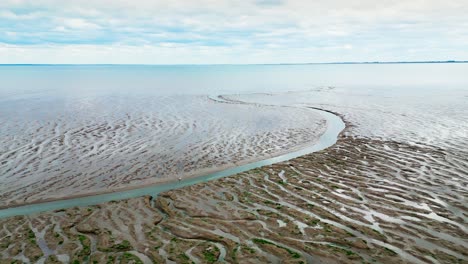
(234, 64)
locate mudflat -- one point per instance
(393, 189)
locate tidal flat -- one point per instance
(354, 202)
(393, 189)
(58, 153)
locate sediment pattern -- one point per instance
(392, 190)
(103, 143)
(408, 114)
(361, 200)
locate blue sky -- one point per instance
(228, 31)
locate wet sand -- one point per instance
(393, 189)
(139, 142)
(362, 200)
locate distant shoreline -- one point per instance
(392, 62)
(253, 64)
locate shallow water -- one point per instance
(71, 130)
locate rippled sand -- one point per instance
(357, 201)
(108, 143)
(391, 190)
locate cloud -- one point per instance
(7, 14)
(79, 23)
(234, 31)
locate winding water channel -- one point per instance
(334, 127)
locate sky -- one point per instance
(231, 31)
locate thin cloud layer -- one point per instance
(214, 31)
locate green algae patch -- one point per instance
(260, 241)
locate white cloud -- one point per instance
(78, 23)
(7, 14)
(252, 31)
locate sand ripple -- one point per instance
(101, 144)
